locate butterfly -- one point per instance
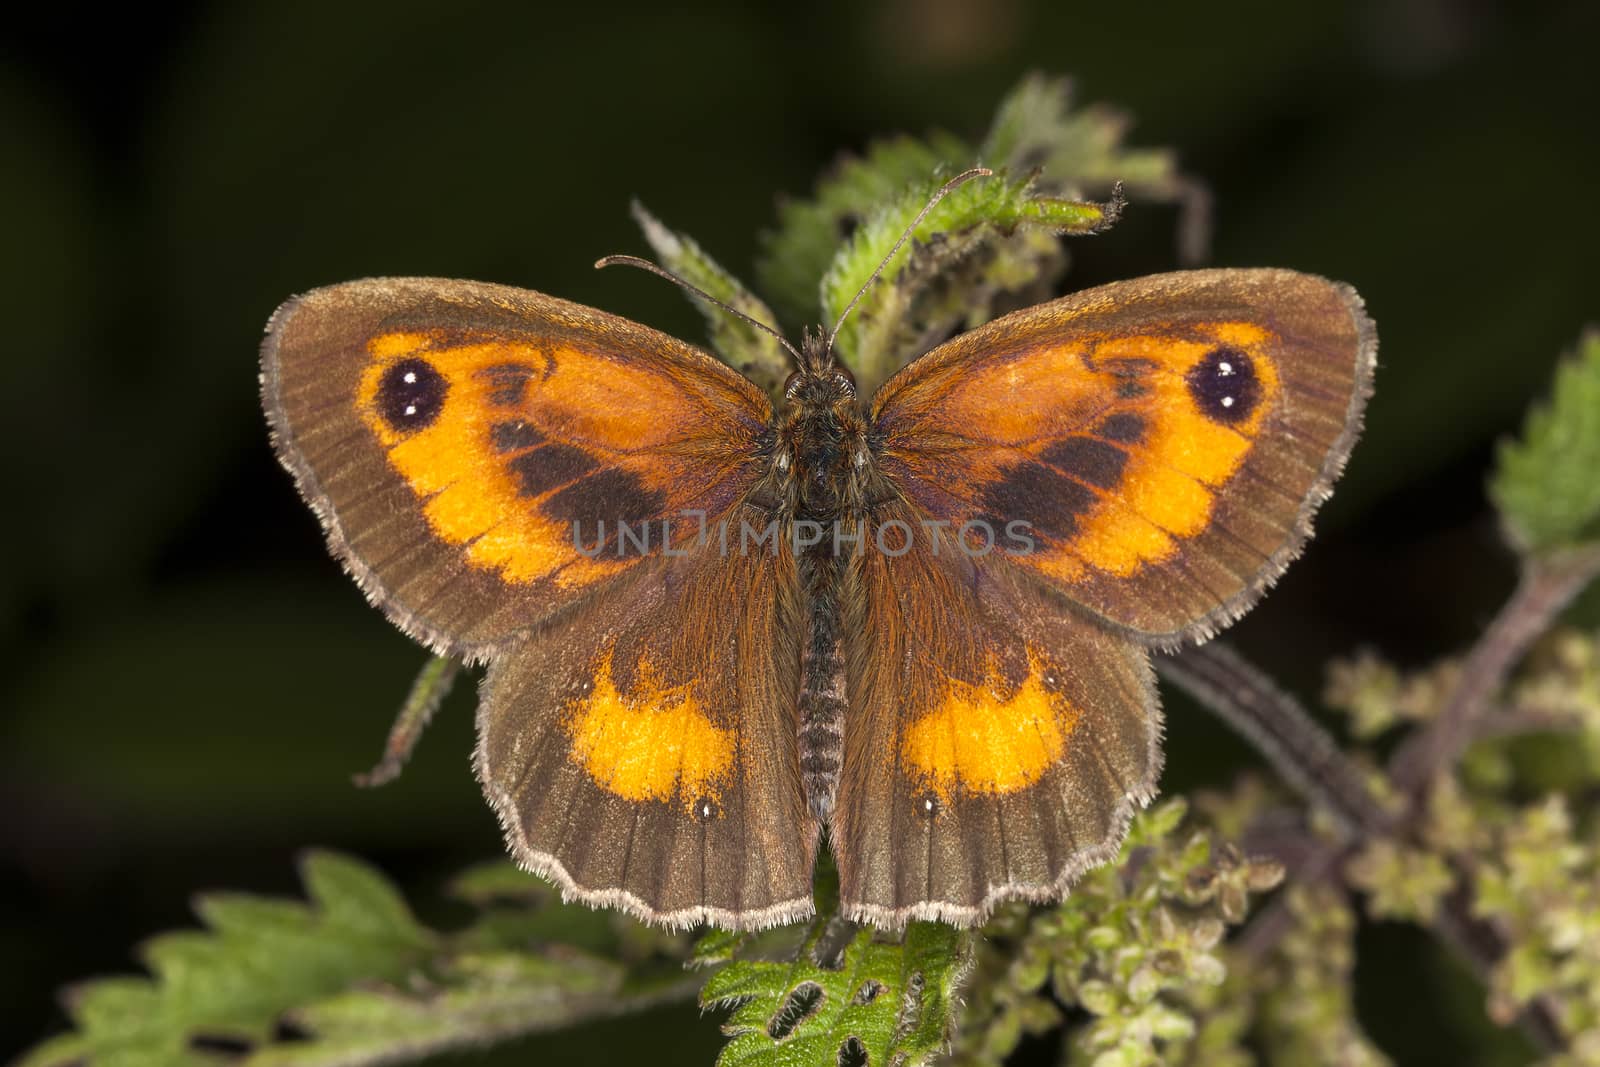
(719, 627)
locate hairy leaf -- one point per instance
(752, 352)
(1547, 484)
(844, 994)
(352, 978)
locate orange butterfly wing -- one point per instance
(464, 442)
(1165, 441)
(996, 743)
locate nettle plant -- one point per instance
(1222, 934)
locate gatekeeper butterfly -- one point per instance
(716, 627)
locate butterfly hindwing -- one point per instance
(642, 753)
(463, 443)
(997, 744)
(1165, 441)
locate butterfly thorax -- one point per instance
(822, 459)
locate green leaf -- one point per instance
(844, 991)
(1547, 485)
(1036, 128)
(991, 247)
(361, 980)
(891, 1001)
(987, 238)
(798, 252)
(478, 999)
(257, 959)
(753, 352)
(1079, 153)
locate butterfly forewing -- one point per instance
(464, 443)
(1165, 440)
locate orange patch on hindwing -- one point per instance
(984, 742)
(652, 743)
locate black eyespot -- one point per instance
(1224, 385)
(411, 395)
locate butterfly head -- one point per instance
(819, 382)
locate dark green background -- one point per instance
(189, 680)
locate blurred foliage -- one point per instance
(1509, 836)
(179, 637)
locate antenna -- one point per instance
(945, 190)
(645, 264)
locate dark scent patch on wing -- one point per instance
(1124, 427)
(514, 436)
(410, 395)
(549, 467)
(612, 496)
(1088, 460)
(1131, 374)
(507, 381)
(1047, 500)
(1224, 385)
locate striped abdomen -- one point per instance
(822, 699)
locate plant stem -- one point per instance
(427, 693)
(1305, 755)
(1547, 585)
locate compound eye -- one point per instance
(791, 383)
(844, 379)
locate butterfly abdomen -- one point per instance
(822, 696)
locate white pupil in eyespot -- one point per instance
(1224, 368)
(410, 377)
(1227, 401)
